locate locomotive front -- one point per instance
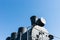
(35, 32)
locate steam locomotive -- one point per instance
(35, 32)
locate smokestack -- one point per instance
(33, 20)
(37, 21)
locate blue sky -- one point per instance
(17, 13)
